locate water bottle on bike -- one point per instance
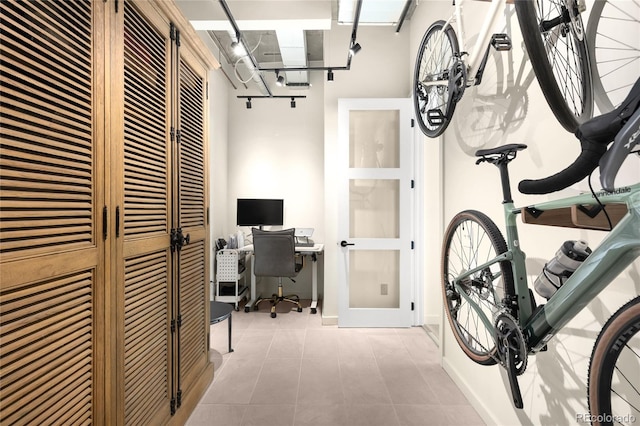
(555, 272)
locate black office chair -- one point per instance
(275, 256)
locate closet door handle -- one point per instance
(343, 243)
(117, 221)
(105, 222)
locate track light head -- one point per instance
(279, 79)
(355, 49)
(293, 102)
(330, 75)
(248, 103)
(238, 48)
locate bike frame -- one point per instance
(484, 37)
(617, 251)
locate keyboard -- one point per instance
(304, 244)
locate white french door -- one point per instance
(374, 218)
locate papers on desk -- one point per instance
(302, 237)
(304, 232)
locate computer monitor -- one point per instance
(259, 212)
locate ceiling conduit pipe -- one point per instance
(248, 59)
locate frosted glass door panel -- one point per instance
(373, 208)
(374, 139)
(374, 223)
(374, 279)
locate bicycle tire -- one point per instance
(471, 239)
(612, 351)
(613, 67)
(442, 60)
(559, 58)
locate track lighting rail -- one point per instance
(354, 47)
(250, 97)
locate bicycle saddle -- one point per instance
(500, 153)
(504, 149)
(594, 135)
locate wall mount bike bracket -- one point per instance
(577, 216)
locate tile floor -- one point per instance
(292, 370)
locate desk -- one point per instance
(312, 252)
(218, 312)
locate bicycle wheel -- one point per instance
(614, 380)
(471, 240)
(437, 57)
(554, 37)
(613, 38)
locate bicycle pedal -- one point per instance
(501, 42)
(435, 117)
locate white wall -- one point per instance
(432, 175)
(377, 71)
(505, 109)
(218, 137)
(218, 146)
(275, 151)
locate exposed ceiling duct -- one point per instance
(293, 51)
(285, 37)
(248, 58)
(254, 73)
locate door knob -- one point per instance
(343, 243)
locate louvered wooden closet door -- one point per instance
(145, 372)
(193, 267)
(51, 199)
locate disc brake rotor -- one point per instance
(575, 7)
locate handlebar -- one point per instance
(594, 135)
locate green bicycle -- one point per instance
(492, 311)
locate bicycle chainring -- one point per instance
(509, 336)
(457, 81)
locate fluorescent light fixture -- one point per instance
(373, 12)
(321, 24)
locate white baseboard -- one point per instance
(432, 319)
(329, 320)
(473, 398)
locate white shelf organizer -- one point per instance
(230, 270)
